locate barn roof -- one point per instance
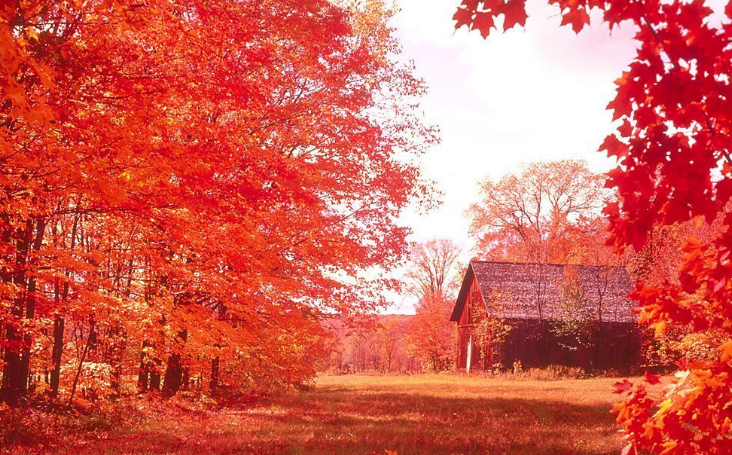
(520, 287)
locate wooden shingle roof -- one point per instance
(521, 288)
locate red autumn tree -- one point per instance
(673, 150)
(549, 212)
(431, 337)
(189, 186)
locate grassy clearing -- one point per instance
(426, 414)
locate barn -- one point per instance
(552, 314)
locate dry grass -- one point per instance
(426, 414)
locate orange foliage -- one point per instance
(431, 338)
(188, 186)
(547, 213)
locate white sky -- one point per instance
(530, 94)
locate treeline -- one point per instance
(393, 343)
(378, 346)
(187, 187)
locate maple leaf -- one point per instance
(724, 190)
(514, 13)
(651, 378)
(614, 146)
(622, 386)
(463, 17)
(726, 350)
(577, 18)
(484, 22)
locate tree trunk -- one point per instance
(30, 298)
(142, 377)
(214, 383)
(115, 344)
(15, 382)
(58, 346)
(174, 370)
(11, 386)
(173, 376)
(81, 361)
(61, 296)
(27, 339)
(155, 377)
(143, 372)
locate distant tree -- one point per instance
(431, 338)
(539, 214)
(365, 350)
(370, 343)
(431, 266)
(389, 334)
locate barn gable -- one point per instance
(523, 291)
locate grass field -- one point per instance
(426, 414)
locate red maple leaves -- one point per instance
(481, 15)
(195, 183)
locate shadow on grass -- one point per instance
(335, 421)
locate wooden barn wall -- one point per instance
(465, 326)
(533, 343)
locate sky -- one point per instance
(531, 94)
